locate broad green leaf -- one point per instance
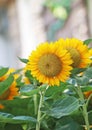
(67, 123)
(4, 85)
(23, 119)
(88, 41)
(5, 116)
(19, 106)
(63, 107)
(56, 91)
(23, 60)
(28, 90)
(84, 80)
(9, 118)
(3, 71)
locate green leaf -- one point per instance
(28, 90)
(88, 41)
(2, 125)
(3, 71)
(9, 118)
(88, 72)
(84, 80)
(23, 60)
(67, 123)
(56, 91)
(63, 107)
(77, 71)
(17, 71)
(86, 88)
(90, 117)
(19, 106)
(6, 84)
(19, 81)
(13, 127)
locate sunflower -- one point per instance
(12, 90)
(11, 70)
(49, 63)
(1, 106)
(78, 51)
(87, 94)
(10, 93)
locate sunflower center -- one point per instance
(50, 65)
(4, 95)
(75, 56)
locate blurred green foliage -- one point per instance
(60, 10)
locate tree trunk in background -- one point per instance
(89, 5)
(31, 25)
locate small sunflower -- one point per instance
(12, 90)
(87, 94)
(11, 70)
(10, 93)
(49, 63)
(1, 106)
(78, 51)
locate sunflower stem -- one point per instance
(84, 107)
(39, 111)
(35, 104)
(39, 114)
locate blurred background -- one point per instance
(26, 23)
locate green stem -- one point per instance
(35, 104)
(39, 111)
(84, 107)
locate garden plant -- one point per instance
(52, 92)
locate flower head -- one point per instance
(87, 94)
(1, 106)
(11, 70)
(12, 91)
(78, 51)
(49, 63)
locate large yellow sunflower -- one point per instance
(49, 63)
(78, 51)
